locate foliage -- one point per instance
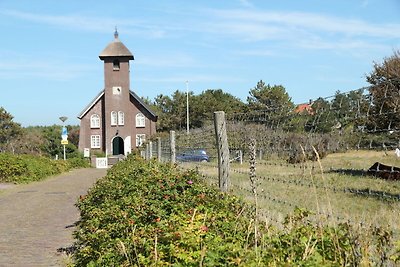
(385, 88)
(172, 110)
(152, 214)
(9, 129)
(266, 97)
(28, 168)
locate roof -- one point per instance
(116, 49)
(141, 102)
(135, 96)
(91, 104)
(306, 107)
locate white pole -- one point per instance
(187, 107)
(64, 153)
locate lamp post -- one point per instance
(187, 107)
(64, 134)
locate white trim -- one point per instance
(114, 118)
(95, 121)
(121, 118)
(95, 141)
(140, 120)
(83, 113)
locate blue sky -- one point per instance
(49, 63)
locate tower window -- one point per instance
(116, 64)
(121, 118)
(114, 118)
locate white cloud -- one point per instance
(246, 3)
(300, 21)
(88, 23)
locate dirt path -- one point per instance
(37, 219)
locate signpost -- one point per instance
(64, 134)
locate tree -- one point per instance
(9, 130)
(204, 105)
(272, 98)
(385, 93)
(171, 111)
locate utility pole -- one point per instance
(187, 107)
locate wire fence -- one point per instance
(317, 158)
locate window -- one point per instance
(117, 90)
(114, 117)
(95, 121)
(95, 141)
(116, 64)
(140, 139)
(140, 120)
(121, 118)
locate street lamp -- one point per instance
(187, 107)
(64, 134)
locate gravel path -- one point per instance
(37, 219)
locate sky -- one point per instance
(49, 64)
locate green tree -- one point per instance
(323, 118)
(204, 105)
(385, 92)
(266, 97)
(9, 130)
(270, 105)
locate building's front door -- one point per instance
(118, 146)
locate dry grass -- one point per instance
(282, 187)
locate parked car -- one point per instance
(199, 155)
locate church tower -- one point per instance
(116, 57)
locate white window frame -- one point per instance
(121, 118)
(140, 139)
(114, 118)
(95, 121)
(95, 141)
(140, 120)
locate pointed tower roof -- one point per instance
(116, 49)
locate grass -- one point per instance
(282, 187)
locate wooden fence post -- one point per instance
(172, 144)
(147, 157)
(150, 150)
(253, 181)
(159, 149)
(223, 150)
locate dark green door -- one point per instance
(118, 146)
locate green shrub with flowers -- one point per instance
(144, 213)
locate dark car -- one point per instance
(193, 155)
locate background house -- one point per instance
(117, 120)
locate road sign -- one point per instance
(64, 142)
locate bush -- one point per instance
(150, 214)
(29, 168)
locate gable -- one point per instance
(91, 104)
(134, 99)
(142, 106)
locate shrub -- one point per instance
(151, 214)
(28, 168)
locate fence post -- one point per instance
(159, 149)
(223, 150)
(150, 150)
(147, 157)
(172, 143)
(253, 181)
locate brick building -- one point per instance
(117, 120)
